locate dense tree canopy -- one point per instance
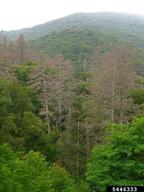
(120, 161)
(31, 172)
(58, 93)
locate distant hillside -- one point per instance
(130, 25)
(77, 36)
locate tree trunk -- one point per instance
(121, 106)
(113, 93)
(46, 103)
(87, 139)
(78, 149)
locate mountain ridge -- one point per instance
(100, 19)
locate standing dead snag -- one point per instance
(21, 46)
(46, 103)
(114, 80)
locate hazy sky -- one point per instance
(15, 14)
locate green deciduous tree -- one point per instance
(121, 160)
(31, 173)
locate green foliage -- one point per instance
(74, 44)
(82, 88)
(80, 73)
(21, 101)
(36, 101)
(60, 180)
(83, 187)
(121, 160)
(14, 103)
(6, 154)
(125, 26)
(19, 125)
(49, 147)
(31, 173)
(22, 72)
(5, 100)
(138, 96)
(32, 131)
(73, 110)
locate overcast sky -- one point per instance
(16, 14)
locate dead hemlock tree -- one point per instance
(21, 49)
(3, 47)
(115, 79)
(53, 79)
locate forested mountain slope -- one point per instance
(111, 22)
(75, 85)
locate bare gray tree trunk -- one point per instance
(113, 93)
(46, 103)
(87, 138)
(78, 149)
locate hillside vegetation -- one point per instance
(72, 104)
(132, 26)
